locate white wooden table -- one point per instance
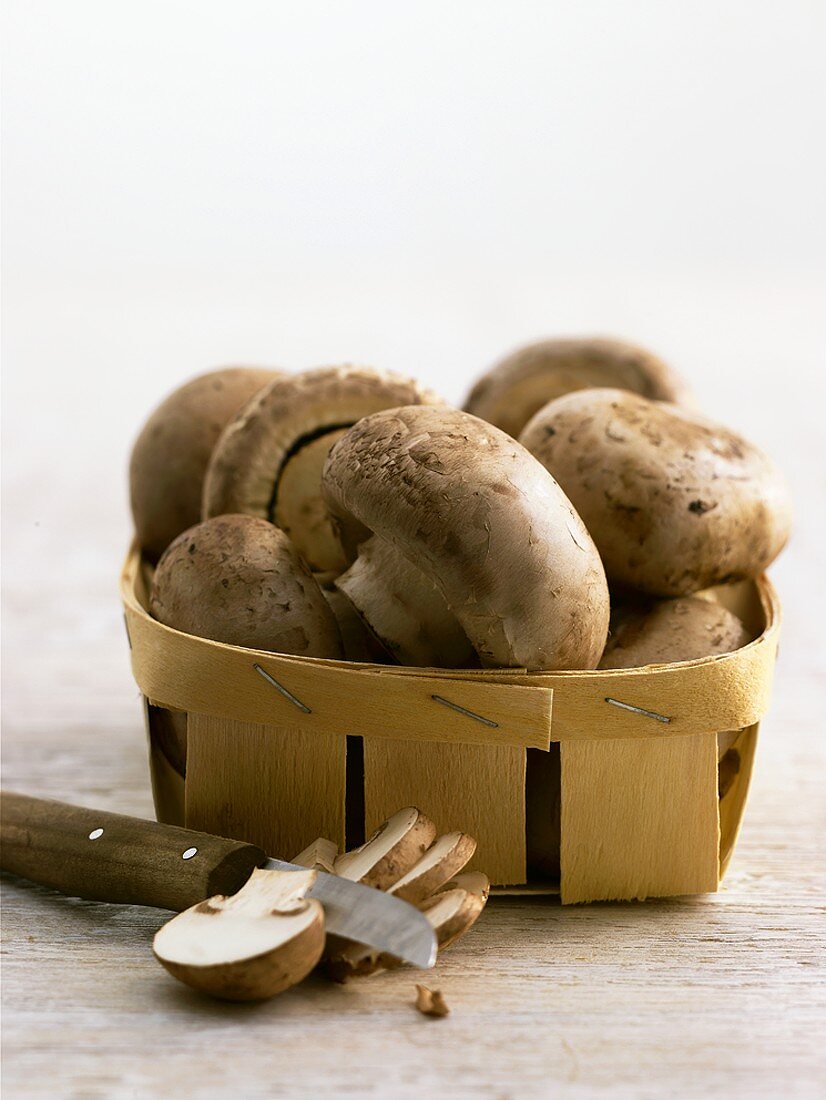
(719, 995)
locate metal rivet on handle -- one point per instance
(189, 853)
(95, 833)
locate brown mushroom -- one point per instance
(249, 946)
(319, 856)
(456, 908)
(402, 608)
(268, 461)
(665, 631)
(470, 509)
(170, 456)
(358, 640)
(239, 580)
(444, 859)
(520, 384)
(675, 503)
(390, 852)
(451, 904)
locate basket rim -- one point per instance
(766, 592)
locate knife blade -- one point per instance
(111, 857)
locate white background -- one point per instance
(418, 187)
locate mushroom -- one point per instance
(403, 610)
(451, 912)
(456, 908)
(675, 503)
(359, 642)
(664, 631)
(390, 852)
(521, 383)
(450, 905)
(442, 860)
(268, 460)
(239, 580)
(466, 506)
(249, 946)
(319, 856)
(170, 456)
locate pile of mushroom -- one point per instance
(351, 513)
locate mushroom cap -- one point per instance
(239, 580)
(171, 454)
(472, 509)
(683, 629)
(251, 455)
(675, 502)
(521, 383)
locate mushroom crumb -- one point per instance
(430, 1002)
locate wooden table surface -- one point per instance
(718, 995)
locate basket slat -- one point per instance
(639, 818)
(477, 789)
(277, 787)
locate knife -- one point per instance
(110, 857)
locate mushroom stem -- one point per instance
(404, 609)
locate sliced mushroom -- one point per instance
(456, 908)
(390, 852)
(518, 386)
(319, 856)
(675, 502)
(451, 913)
(441, 862)
(259, 467)
(657, 632)
(249, 946)
(469, 508)
(171, 454)
(238, 579)
(404, 609)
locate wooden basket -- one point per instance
(278, 750)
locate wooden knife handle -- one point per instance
(110, 857)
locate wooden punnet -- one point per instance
(278, 750)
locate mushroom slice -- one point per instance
(390, 852)
(456, 908)
(487, 526)
(319, 856)
(249, 946)
(519, 385)
(239, 580)
(444, 859)
(451, 913)
(263, 445)
(404, 609)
